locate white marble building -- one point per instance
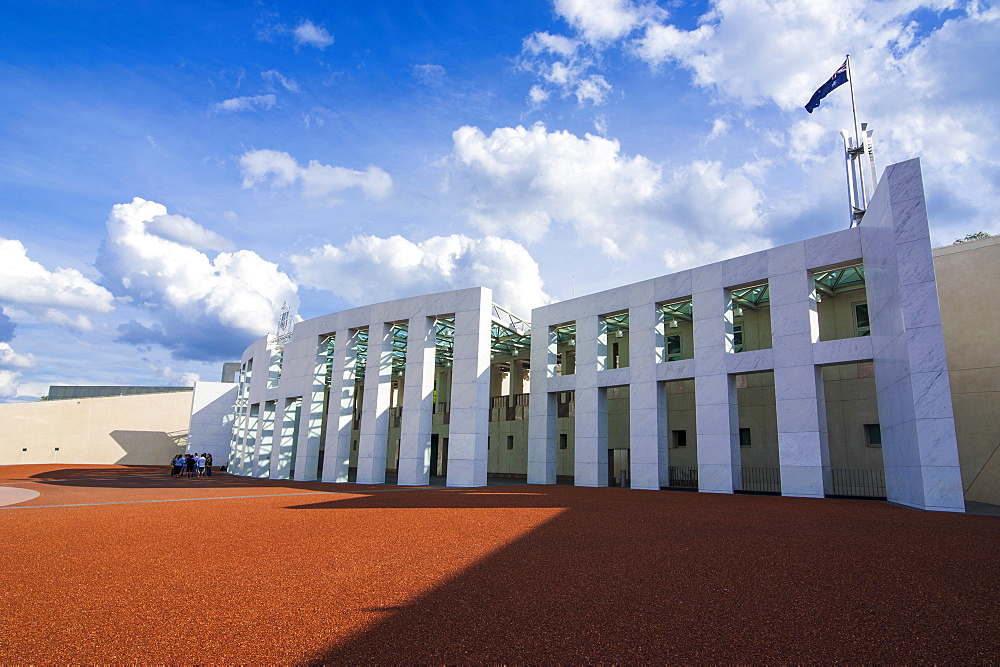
(361, 389)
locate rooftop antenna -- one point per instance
(285, 325)
(856, 149)
(854, 161)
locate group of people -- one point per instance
(191, 465)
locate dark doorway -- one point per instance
(434, 454)
(618, 467)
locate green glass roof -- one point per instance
(616, 323)
(751, 297)
(510, 335)
(840, 280)
(566, 334)
(678, 310)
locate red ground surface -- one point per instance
(231, 572)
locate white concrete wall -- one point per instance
(919, 440)
(211, 427)
(919, 447)
(469, 428)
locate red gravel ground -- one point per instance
(223, 570)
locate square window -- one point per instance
(744, 437)
(680, 438)
(873, 435)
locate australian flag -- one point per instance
(839, 78)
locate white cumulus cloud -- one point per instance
(525, 181)
(201, 307)
(316, 179)
(370, 269)
(29, 285)
(186, 231)
(606, 20)
(310, 34)
(176, 378)
(527, 178)
(565, 67)
(254, 103)
(11, 365)
(11, 359)
(9, 383)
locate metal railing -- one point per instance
(684, 477)
(761, 480)
(858, 483)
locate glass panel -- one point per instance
(673, 347)
(862, 326)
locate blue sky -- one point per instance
(170, 173)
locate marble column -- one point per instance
(339, 413)
(716, 406)
(468, 435)
(311, 422)
(647, 402)
(262, 462)
(803, 449)
(418, 403)
(374, 436)
(542, 407)
(590, 466)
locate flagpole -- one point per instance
(857, 134)
(854, 105)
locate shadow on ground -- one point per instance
(151, 477)
(696, 578)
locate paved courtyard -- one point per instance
(126, 564)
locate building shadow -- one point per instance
(145, 446)
(693, 578)
(151, 477)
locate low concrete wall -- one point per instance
(129, 430)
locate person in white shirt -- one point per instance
(201, 465)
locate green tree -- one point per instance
(973, 237)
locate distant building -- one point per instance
(230, 371)
(62, 393)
